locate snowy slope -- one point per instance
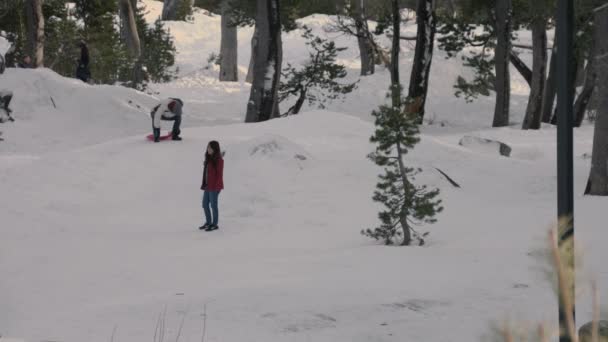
(98, 226)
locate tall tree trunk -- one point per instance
(35, 32)
(396, 49)
(582, 101)
(534, 113)
(263, 100)
(575, 59)
(254, 44)
(598, 176)
(503, 11)
(419, 79)
(169, 9)
(366, 47)
(550, 87)
(229, 46)
(129, 27)
(131, 37)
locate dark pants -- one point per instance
(210, 199)
(177, 121)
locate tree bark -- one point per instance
(503, 11)
(130, 35)
(35, 32)
(598, 176)
(263, 100)
(523, 69)
(254, 44)
(582, 101)
(366, 48)
(421, 68)
(573, 85)
(169, 9)
(534, 113)
(550, 87)
(396, 49)
(228, 46)
(129, 27)
(295, 109)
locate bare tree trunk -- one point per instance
(263, 100)
(396, 49)
(254, 44)
(366, 48)
(534, 113)
(131, 36)
(582, 101)
(598, 176)
(35, 32)
(550, 87)
(229, 46)
(503, 11)
(523, 69)
(295, 109)
(129, 28)
(425, 37)
(169, 9)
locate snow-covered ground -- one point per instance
(98, 227)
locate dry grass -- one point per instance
(562, 266)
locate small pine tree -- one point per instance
(158, 49)
(317, 80)
(406, 203)
(159, 59)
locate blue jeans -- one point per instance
(210, 199)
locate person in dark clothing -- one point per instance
(213, 184)
(168, 110)
(82, 71)
(26, 64)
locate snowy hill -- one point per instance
(99, 230)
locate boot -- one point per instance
(156, 134)
(175, 134)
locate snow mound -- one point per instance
(69, 108)
(486, 146)
(270, 148)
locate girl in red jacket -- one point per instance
(213, 184)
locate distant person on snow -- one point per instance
(82, 70)
(168, 110)
(213, 184)
(26, 64)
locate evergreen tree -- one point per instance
(406, 203)
(316, 81)
(396, 133)
(158, 56)
(61, 36)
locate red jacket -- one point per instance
(215, 176)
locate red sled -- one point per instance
(162, 137)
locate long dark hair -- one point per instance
(217, 153)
